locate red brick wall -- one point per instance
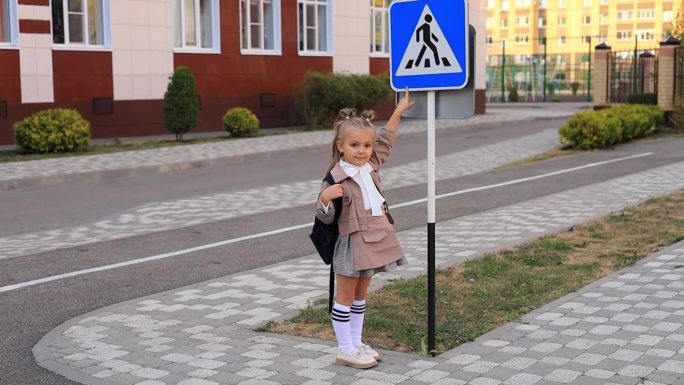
(232, 79)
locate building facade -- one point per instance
(568, 31)
(111, 59)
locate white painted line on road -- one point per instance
(522, 180)
(297, 227)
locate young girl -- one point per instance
(367, 242)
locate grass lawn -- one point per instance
(480, 295)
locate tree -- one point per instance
(676, 28)
(181, 103)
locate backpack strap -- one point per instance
(337, 203)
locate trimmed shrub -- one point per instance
(240, 121)
(321, 95)
(646, 98)
(600, 129)
(591, 129)
(52, 130)
(181, 103)
(574, 86)
(513, 94)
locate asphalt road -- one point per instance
(29, 313)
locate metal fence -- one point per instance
(632, 73)
(679, 73)
(531, 79)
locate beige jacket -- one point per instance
(353, 217)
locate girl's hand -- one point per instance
(405, 103)
(331, 192)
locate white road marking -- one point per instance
(297, 227)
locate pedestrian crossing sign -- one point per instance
(428, 44)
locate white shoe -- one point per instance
(358, 359)
(367, 349)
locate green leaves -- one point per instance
(600, 129)
(240, 121)
(181, 103)
(52, 131)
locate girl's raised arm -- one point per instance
(404, 104)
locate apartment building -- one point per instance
(111, 59)
(570, 29)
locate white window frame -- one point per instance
(13, 24)
(85, 46)
(384, 13)
(277, 40)
(328, 25)
(179, 13)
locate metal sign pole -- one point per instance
(431, 217)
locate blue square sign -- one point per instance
(428, 44)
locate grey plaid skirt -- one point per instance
(343, 260)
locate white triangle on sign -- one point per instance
(433, 57)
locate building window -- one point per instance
(197, 24)
(314, 26)
(8, 23)
(624, 35)
(260, 26)
(561, 20)
(522, 20)
(379, 27)
(80, 23)
(586, 19)
(561, 40)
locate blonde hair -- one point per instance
(348, 119)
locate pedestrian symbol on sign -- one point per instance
(428, 35)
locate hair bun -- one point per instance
(368, 115)
(347, 113)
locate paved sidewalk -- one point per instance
(623, 329)
(59, 170)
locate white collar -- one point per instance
(351, 170)
(372, 199)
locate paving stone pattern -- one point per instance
(169, 215)
(182, 157)
(623, 329)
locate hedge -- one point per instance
(322, 95)
(604, 128)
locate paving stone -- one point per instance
(556, 349)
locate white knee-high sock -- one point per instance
(340, 321)
(358, 308)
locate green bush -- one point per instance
(600, 129)
(513, 94)
(53, 130)
(321, 95)
(181, 103)
(591, 129)
(645, 98)
(240, 121)
(574, 86)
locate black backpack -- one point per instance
(324, 238)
